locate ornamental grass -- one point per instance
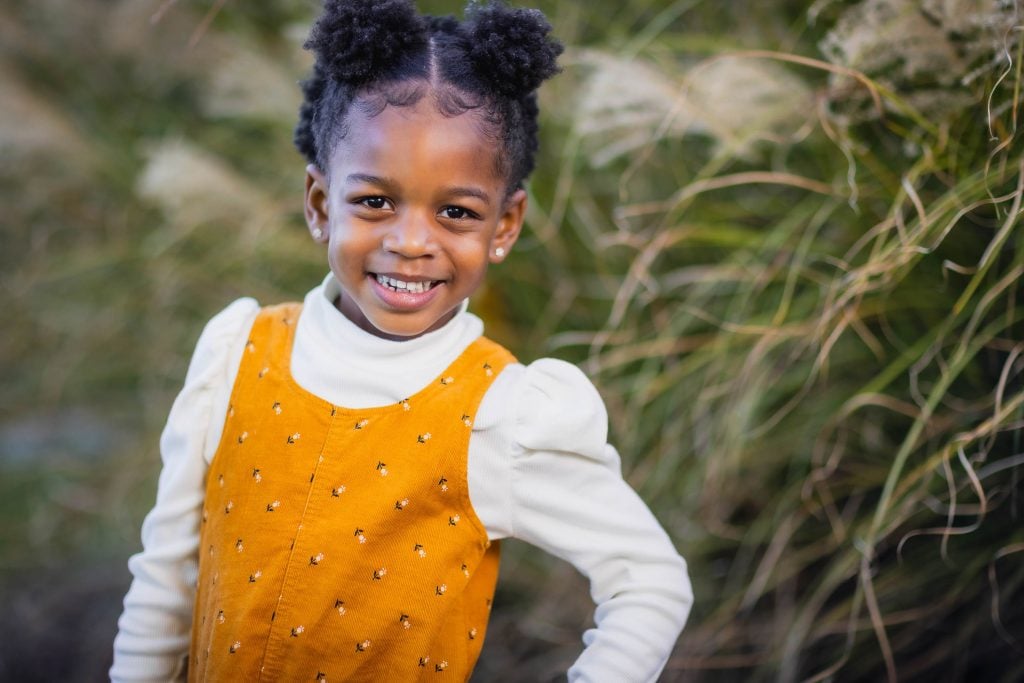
(783, 239)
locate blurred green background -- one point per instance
(782, 238)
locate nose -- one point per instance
(410, 235)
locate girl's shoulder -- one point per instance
(232, 320)
(551, 405)
(222, 336)
(237, 312)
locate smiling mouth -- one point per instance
(397, 285)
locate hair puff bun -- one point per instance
(511, 48)
(355, 40)
(444, 24)
(492, 62)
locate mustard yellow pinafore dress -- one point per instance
(340, 544)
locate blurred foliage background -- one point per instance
(783, 239)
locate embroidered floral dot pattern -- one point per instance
(327, 517)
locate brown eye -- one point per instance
(375, 202)
(455, 213)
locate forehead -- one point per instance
(417, 142)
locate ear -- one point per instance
(509, 226)
(316, 204)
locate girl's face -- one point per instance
(413, 214)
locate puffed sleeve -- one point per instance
(153, 630)
(569, 499)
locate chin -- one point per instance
(399, 331)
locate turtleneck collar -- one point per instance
(348, 366)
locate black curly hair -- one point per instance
(375, 53)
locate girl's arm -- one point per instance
(154, 629)
(567, 496)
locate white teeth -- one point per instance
(402, 286)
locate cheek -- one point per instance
(473, 259)
(347, 249)
(348, 241)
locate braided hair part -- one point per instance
(372, 54)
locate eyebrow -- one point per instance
(369, 179)
(469, 192)
(389, 183)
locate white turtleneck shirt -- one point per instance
(539, 469)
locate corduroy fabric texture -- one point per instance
(340, 544)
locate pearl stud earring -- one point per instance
(499, 252)
(318, 234)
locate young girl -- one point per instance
(337, 474)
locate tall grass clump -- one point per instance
(783, 239)
(147, 179)
(795, 271)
